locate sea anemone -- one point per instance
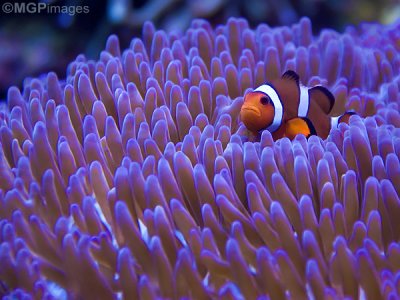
(135, 178)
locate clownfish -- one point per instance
(286, 108)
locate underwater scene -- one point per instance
(200, 149)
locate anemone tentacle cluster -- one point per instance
(135, 178)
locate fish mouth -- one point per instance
(251, 109)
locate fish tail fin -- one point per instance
(344, 118)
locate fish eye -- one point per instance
(264, 100)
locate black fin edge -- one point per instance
(327, 93)
(292, 75)
(351, 113)
(310, 126)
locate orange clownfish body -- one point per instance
(287, 108)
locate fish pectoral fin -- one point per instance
(323, 97)
(299, 125)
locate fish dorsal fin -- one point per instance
(291, 75)
(323, 97)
